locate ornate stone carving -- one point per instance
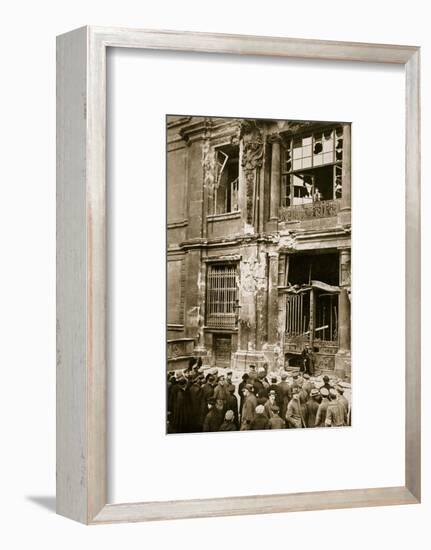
(252, 160)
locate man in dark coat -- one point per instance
(343, 402)
(214, 418)
(275, 388)
(275, 422)
(261, 387)
(312, 405)
(232, 405)
(220, 391)
(260, 421)
(285, 393)
(229, 385)
(228, 424)
(196, 405)
(323, 407)
(207, 393)
(181, 413)
(249, 408)
(245, 378)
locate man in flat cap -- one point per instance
(323, 407)
(312, 406)
(260, 420)
(229, 385)
(276, 422)
(228, 424)
(214, 418)
(249, 407)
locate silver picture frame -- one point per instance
(82, 474)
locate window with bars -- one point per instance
(222, 296)
(312, 167)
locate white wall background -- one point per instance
(27, 279)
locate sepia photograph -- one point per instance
(258, 274)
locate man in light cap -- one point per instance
(323, 407)
(249, 407)
(334, 412)
(228, 424)
(260, 421)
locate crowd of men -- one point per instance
(206, 401)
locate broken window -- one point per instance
(222, 296)
(312, 167)
(225, 197)
(312, 297)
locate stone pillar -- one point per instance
(275, 180)
(273, 299)
(343, 358)
(347, 169)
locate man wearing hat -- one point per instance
(214, 417)
(232, 404)
(249, 407)
(274, 387)
(323, 407)
(261, 386)
(335, 412)
(271, 402)
(311, 406)
(228, 424)
(307, 385)
(207, 392)
(252, 374)
(284, 392)
(195, 392)
(260, 420)
(276, 422)
(220, 391)
(241, 386)
(294, 418)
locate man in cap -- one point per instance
(284, 392)
(274, 387)
(249, 407)
(343, 402)
(220, 391)
(294, 418)
(207, 392)
(312, 406)
(334, 412)
(244, 381)
(323, 407)
(275, 422)
(271, 402)
(260, 420)
(195, 392)
(214, 418)
(228, 424)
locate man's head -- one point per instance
(315, 394)
(339, 389)
(273, 379)
(324, 392)
(221, 380)
(272, 396)
(252, 368)
(229, 416)
(295, 392)
(326, 379)
(219, 404)
(211, 402)
(229, 375)
(245, 377)
(333, 394)
(248, 388)
(283, 375)
(275, 409)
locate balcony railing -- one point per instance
(319, 209)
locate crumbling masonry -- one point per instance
(259, 239)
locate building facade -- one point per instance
(258, 242)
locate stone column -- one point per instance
(273, 299)
(275, 180)
(342, 359)
(347, 169)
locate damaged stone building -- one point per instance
(258, 242)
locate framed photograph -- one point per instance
(238, 273)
